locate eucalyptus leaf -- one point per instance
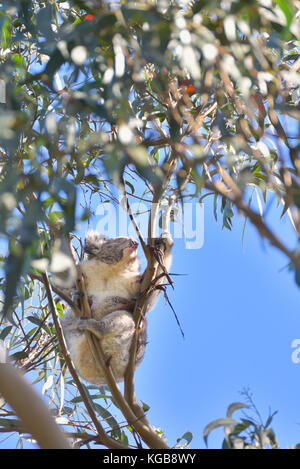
(221, 422)
(234, 407)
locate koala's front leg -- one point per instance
(91, 325)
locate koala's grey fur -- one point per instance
(113, 281)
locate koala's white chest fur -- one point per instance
(105, 282)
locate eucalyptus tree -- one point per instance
(158, 101)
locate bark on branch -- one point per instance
(31, 409)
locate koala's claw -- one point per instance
(77, 297)
(77, 294)
(83, 324)
(164, 242)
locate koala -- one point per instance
(113, 279)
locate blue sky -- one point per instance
(239, 309)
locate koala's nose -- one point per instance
(134, 243)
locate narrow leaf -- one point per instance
(236, 406)
(222, 422)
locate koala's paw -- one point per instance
(89, 324)
(77, 297)
(164, 242)
(82, 324)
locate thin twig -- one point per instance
(59, 292)
(129, 211)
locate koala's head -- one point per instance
(110, 251)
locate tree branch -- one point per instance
(105, 439)
(31, 409)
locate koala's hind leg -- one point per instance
(89, 324)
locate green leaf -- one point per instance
(216, 207)
(56, 216)
(4, 333)
(18, 356)
(54, 63)
(106, 415)
(15, 266)
(93, 397)
(34, 320)
(145, 406)
(131, 186)
(222, 422)
(44, 17)
(48, 202)
(270, 418)
(236, 406)
(10, 423)
(240, 427)
(187, 436)
(205, 195)
(269, 433)
(297, 276)
(5, 28)
(124, 439)
(288, 10)
(26, 13)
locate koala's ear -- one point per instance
(93, 242)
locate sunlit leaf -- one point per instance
(221, 422)
(236, 406)
(187, 436)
